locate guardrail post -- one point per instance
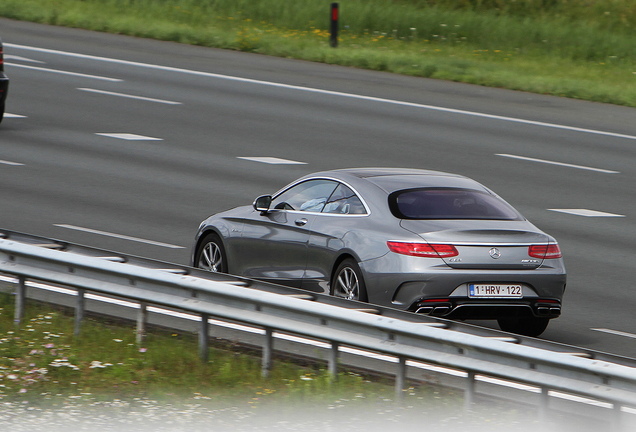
(79, 311)
(20, 298)
(617, 417)
(267, 352)
(400, 378)
(204, 336)
(333, 361)
(544, 403)
(142, 319)
(469, 393)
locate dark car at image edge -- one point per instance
(4, 83)
(424, 241)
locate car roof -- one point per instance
(392, 179)
(382, 172)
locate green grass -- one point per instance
(581, 49)
(42, 359)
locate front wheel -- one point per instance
(211, 255)
(524, 326)
(347, 282)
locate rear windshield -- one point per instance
(450, 203)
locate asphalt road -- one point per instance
(195, 112)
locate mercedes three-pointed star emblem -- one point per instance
(494, 253)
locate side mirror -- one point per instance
(262, 203)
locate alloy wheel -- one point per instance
(347, 284)
(211, 258)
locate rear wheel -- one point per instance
(524, 326)
(211, 255)
(1, 112)
(347, 282)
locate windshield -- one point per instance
(450, 203)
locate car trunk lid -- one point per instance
(489, 245)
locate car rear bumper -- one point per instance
(466, 308)
(428, 286)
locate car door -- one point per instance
(273, 244)
(340, 215)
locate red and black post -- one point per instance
(333, 41)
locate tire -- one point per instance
(1, 112)
(524, 326)
(347, 282)
(211, 255)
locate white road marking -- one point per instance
(273, 160)
(327, 92)
(8, 115)
(557, 163)
(129, 137)
(615, 332)
(586, 212)
(10, 163)
(14, 57)
(130, 96)
(64, 72)
(119, 236)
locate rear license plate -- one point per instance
(495, 291)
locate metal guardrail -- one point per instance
(457, 326)
(404, 335)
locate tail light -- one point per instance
(427, 250)
(549, 251)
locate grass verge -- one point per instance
(41, 361)
(557, 47)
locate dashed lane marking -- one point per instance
(557, 163)
(76, 74)
(147, 99)
(129, 137)
(4, 162)
(273, 160)
(615, 332)
(15, 57)
(586, 213)
(119, 236)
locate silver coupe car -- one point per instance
(424, 241)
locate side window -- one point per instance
(309, 196)
(344, 201)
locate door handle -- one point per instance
(301, 222)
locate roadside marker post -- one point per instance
(334, 25)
